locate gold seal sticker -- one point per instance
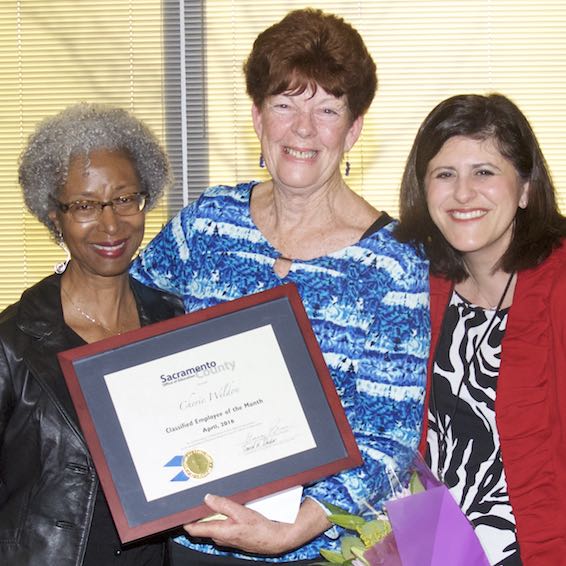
(197, 464)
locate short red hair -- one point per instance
(308, 48)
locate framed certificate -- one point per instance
(234, 400)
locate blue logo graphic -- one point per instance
(177, 462)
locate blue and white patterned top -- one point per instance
(368, 306)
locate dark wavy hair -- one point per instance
(538, 228)
(77, 131)
(308, 48)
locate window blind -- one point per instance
(177, 64)
(425, 51)
(54, 53)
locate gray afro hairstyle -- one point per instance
(77, 131)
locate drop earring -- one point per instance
(347, 169)
(60, 267)
(261, 161)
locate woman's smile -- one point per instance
(300, 154)
(465, 215)
(111, 250)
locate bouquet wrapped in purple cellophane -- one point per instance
(421, 525)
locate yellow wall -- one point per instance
(425, 51)
(77, 50)
(56, 52)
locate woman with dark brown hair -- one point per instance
(477, 197)
(311, 79)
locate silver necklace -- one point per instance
(89, 317)
(443, 434)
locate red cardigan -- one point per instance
(530, 405)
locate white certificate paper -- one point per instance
(232, 399)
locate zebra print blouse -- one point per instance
(463, 442)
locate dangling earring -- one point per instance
(347, 169)
(60, 267)
(261, 161)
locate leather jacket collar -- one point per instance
(40, 314)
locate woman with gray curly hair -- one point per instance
(89, 174)
(79, 130)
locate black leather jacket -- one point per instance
(47, 479)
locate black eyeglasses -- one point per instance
(89, 210)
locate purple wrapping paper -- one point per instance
(431, 530)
